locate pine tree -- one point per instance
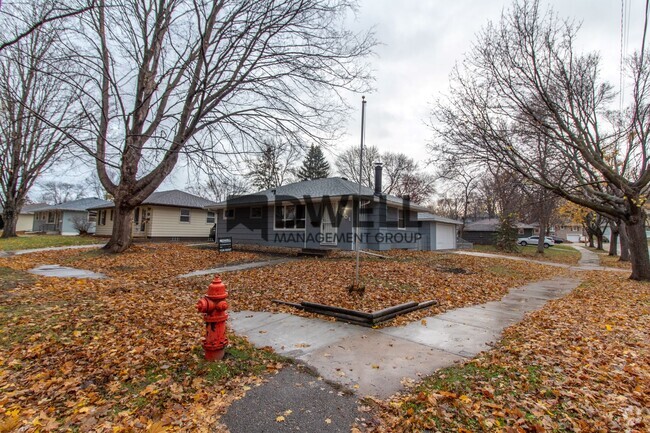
(315, 166)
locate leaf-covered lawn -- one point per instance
(611, 261)
(557, 253)
(123, 354)
(451, 279)
(115, 355)
(27, 242)
(581, 364)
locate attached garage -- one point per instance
(438, 233)
(445, 236)
(573, 238)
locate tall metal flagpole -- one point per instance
(356, 240)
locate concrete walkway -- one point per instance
(237, 267)
(589, 260)
(39, 250)
(377, 361)
(65, 272)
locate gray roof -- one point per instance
(30, 208)
(428, 216)
(314, 189)
(491, 225)
(173, 197)
(75, 205)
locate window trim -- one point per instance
(207, 217)
(189, 216)
(294, 229)
(225, 214)
(400, 212)
(253, 217)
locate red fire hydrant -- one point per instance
(213, 306)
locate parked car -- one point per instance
(533, 240)
(557, 240)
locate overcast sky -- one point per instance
(421, 41)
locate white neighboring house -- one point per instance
(65, 218)
(164, 215)
(25, 217)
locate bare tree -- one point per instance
(31, 101)
(54, 192)
(274, 165)
(220, 189)
(48, 11)
(347, 164)
(204, 79)
(523, 80)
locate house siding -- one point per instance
(25, 222)
(165, 223)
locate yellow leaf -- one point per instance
(608, 327)
(328, 421)
(279, 419)
(288, 412)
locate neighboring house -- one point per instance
(164, 215)
(25, 217)
(484, 232)
(570, 231)
(64, 218)
(321, 214)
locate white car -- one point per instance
(534, 240)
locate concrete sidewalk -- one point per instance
(38, 250)
(589, 261)
(236, 267)
(377, 361)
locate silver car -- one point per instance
(534, 240)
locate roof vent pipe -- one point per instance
(378, 175)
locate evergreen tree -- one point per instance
(507, 233)
(274, 166)
(315, 166)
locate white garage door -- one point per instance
(445, 236)
(573, 238)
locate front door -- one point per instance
(328, 228)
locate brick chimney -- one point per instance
(378, 175)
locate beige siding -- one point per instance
(106, 229)
(25, 222)
(165, 222)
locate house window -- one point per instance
(185, 215)
(256, 212)
(111, 214)
(228, 214)
(401, 223)
(290, 217)
(210, 218)
(92, 216)
(102, 217)
(50, 217)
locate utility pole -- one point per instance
(358, 221)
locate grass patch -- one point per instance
(11, 278)
(46, 241)
(557, 253)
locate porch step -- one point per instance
(315, 252)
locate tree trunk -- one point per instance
(122, 236)
(625, 244)
(613, 247)
(638, 243)
(542, 234)
(599, 242)
(10, 219)
(591, 240)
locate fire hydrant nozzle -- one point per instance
(213, 306)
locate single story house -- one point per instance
(484, 232)
(65, 218)
(25, 217)
(331, 213)
(164, 215)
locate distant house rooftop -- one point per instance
(82, 204)
(315, 189)
(172, 197)
(492, 225)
